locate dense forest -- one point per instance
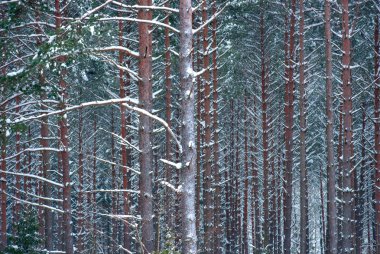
(205, 126)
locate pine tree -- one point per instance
(26, 238)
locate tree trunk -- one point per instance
(145, 128)
(189, 235)
(289, 111)
(207, 176)
(304, 227)
(3, 181)
(331, 191)
(347, 224)
(80, 227)
(377, 135)
(64, 143)
(246, 186)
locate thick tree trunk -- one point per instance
(146, 128)
(331, 181)
(189, 235)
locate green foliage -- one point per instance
(26, 238)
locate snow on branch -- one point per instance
(158, 119)
(176, 165)
(34, 204)
(209, 20)
(163, 8)
(80, 106)
(152, 22)
(33, 176)
(118, 48)
(90, 12)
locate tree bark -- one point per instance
(145, 128)
(289, 112)
(304, 227)
(64, 143)
(331, 181)
(347, 223)
(377, 135)
(189, 235)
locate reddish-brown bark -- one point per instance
(255, 204)
(304, 220)
(217, 197)
(347, 188)
(331, 236)
(64, 143)
(145, 128)
(245, 211)
(80, 227)
(289, 112)
(207, 175)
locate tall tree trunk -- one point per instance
(64, 143)
(255, 204)
(189, 235)
(289, 111)
(377, 134)
(304, 227)
(347, 224)
(208, 176)
(18, 165)
(168, 112)
(332, 238)
(3, 180)
(359, 188)
(217, 197)
(145, 128)
(265, 132)
(80, 227)
(246, 186)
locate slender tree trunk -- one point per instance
(80, 228)
(145, 128)
(289, 111)
(217, 197)
(3, 181)
(304, 227)
(359, 188)
(208, 176)
(331, 191)
(18, 165)
(377, 135)
(189, 235)
(323, 224)
(265, 133)
(246, 186)
(168, 112)
(347, 224)
(256, 234)
(199, 141)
